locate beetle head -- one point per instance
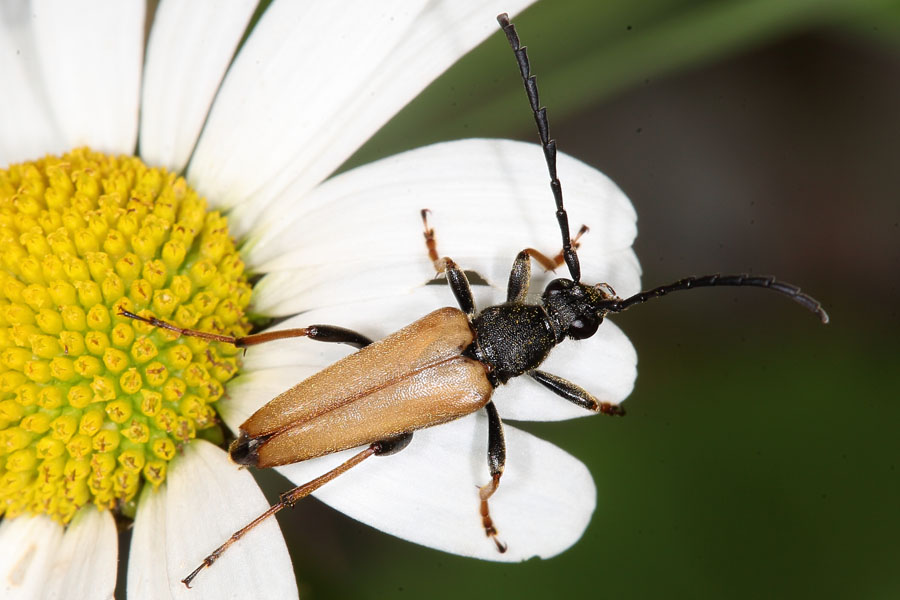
(577, 309)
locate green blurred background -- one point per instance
(759, 457)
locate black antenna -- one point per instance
(791, 291)
(540, 117)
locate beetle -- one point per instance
(447, 364)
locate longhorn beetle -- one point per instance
(445, 365)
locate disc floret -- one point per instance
(92, 403)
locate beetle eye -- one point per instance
(583, 328)
(557, 285)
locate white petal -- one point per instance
(249, 391)
(359, 235)
(84, 563)
(26, 119)
(427, 493)
(315, 80)
(147, 574)
(90, 58)
(190, 46)
(28, 546)
(206, 500)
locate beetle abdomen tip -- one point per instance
(244, 450)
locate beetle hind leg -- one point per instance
(291, 497)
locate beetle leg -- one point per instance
(551, 264)
(459, 284)
(575, 394)
(320, 333)
(291, 497)
(394, 444)
(519, 277)
(457, 279)
(496, 462)
(430, 242)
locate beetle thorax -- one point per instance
(512, 338)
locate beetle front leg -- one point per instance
(320, 333)
(457, 279)
(575, 394)
(550, 264)
(520, 275)
(496, 462)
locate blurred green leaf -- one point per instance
(583, 52)
(879, 21)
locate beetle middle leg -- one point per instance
(496, 463)
(320, 333)
(575, 394)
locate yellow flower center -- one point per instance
(93, 403)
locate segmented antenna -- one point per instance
(540, 117)
(789, 290)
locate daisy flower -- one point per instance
(205, 166)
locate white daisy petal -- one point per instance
(26, 120)
(247, 392)
(28, 546)
(203, 480)
(78, 573)
(489, 199)
(190, 47)
(311, 85)
(427, 493)
(91, 65)
(147, 575)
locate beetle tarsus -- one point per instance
(607, 408)
(484, 493)
(205, 335)
(431, 244)
(490, 530)
(187, 580)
